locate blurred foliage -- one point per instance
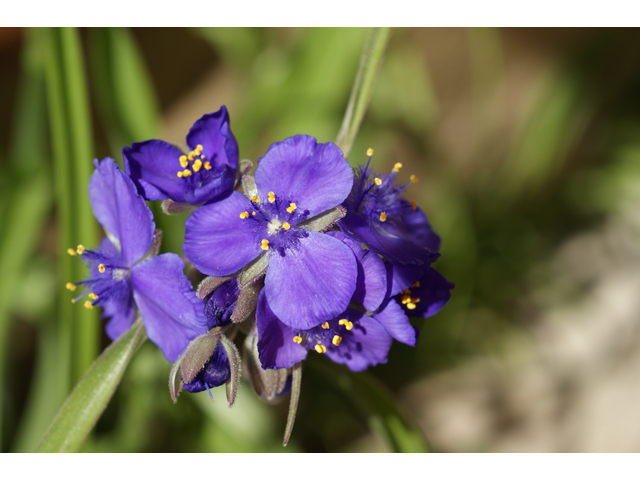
(520, 139)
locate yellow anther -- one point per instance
(183, 161)
(406, 299)
(179, 174)
(88, 305)
(383, 216)
(186, 173)
(320, 348)
(71, 286)
(244, 215)
(336, 340)
(207, 166)
(191, 155)
(325, 325)
(264, 244)
(378, 181)
(101, 268)
(73, 300)
(80, 249)
(71, 252)
(197, 165)
(346, 323)
(93, 296)
(286, 225)
(413, 204)
(253, 213)
(254, 199)
(411, 306)
(297, 339)
(397, 167)
(415, 285)
(369, 152)
(413, 178)
(291, 207)
(272, 197)
(199, 148)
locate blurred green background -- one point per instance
(527, 146)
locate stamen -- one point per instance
(336, 340)
(369, 152)
(397, 167)
(378, 181)
(297, 339)
(286, 225)
(413, 178)
(383, 217)
(186, 173)
(244, 215)
(272, 197)
(411, 306)
(71, 252)
(415, 285)
(347, 324)
(80, 249)
(73, 300)
(88, 305)
(197, 165)
(191, 155)
(253, 213)
(71, 286)
(93, 296)
(183, 161)
(255, 199)
(199, 149)
(325, 325)
(413, 204)
(291, 207)
(101, 268)
(179, 174)
(264, 244)
(406, 299)
(320, 348)
(207, 165)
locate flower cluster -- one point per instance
(307, 254)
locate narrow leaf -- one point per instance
(91, 395)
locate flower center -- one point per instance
(198, 163)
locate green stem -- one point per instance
(91, 396)
(370, 61)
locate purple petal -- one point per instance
(395, 321)
(153, 166)
(434, 292)
(311, 283)
(120, 308)
(366, 345)
(212, 131)
(213, 187)
(172, 314)
(275, 340)
(401, 277)
(217, 241)
(371, 286)
(120, 210)
(313, 175)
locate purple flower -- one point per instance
(310, 276)
(162, 171)
(355, 338)
(220, 303)
(427, 296)
(125, 274)
(215, 372)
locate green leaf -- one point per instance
(376, 404)
(88, 400)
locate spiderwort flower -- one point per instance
(310, 276)
(124, 274)
(162, 171)
(427, 296)
(355, 338)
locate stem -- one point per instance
(370, 62)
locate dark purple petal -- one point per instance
(172, 314)
(434, 292)
(366, 345)
(153, 166)
(212, 131)
(275, 340)
(401, 277)
(213, 187)
(311, 283)
(313, 175)
(120, 308)
(371, 286)
(380, 239)
(217, 241)
(396, 323)
(120, 210)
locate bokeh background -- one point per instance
(527, 146)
